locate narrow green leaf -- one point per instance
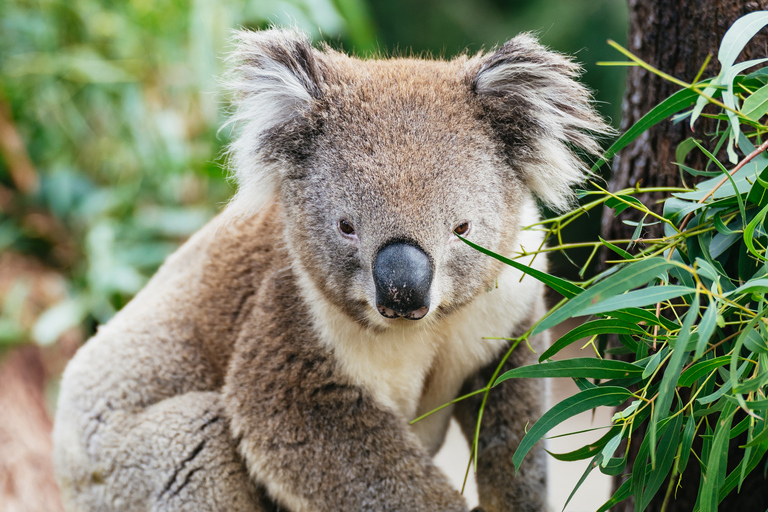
(755, 342)
(587, 451)
(642, 297)
(756, 105)
(706, 328)
(613, 467)
(610, 396)
(749, 233)
(686, 443)
(738, 35)
(622, 493)
(641, 316)
(705, 269)
(591, 466)
(720, 225)
(610, 449)
(561, 286)
(591, 328)
(678, 101)
(633, 275)
(714, 472)
(619, 206)
(653, 364)
(640, 469)
(758, 405)
(618, 250)
(760, 438)
(758, 285)
(700, 369)
(672, 373)
(683, 149)
(666, 456)
(585, 367)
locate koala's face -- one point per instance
(380, 164)
(399, 166)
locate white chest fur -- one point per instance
(414, 367)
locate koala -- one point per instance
(277, 359)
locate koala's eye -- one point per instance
(462, 229)
(346, 228)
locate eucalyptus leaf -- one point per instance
(609, 396)
(633, 275)
(585, 367)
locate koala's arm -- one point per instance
(316, 442)
(512, 407)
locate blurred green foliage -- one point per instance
(117, 105)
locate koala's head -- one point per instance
(379, 164)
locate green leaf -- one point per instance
(666, 456)
(613, 467)
(698, 370)
(561, 286)
(758, 405)
(686, 443)
(642, 297)
(714, 471)
(756, 343)
(706, 328)
(619, 206)
(622, 493)
(609, 396)
(591, 466)
(618, 250)
(721, 226)
(586, 367)
(639, 316)
(631, 276)
(683, 149)
(672, 372)
(761, 438)
(738, 35)
(653, 364)
(587, 451)
(749, 232)
(678, 101)
(758, 285)
(592, 328)
(610, 449)
(756, 105)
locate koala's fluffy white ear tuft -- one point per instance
(540, 113)
(275, 78)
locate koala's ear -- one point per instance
(540, 113)
(275, 78)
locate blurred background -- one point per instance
(110, 153)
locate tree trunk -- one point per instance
(675, 36)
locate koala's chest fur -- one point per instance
(413, 369)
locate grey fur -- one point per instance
(254, 372)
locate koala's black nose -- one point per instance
(402, 274)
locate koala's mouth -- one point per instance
(412, 315)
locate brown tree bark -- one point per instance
(675, 36)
